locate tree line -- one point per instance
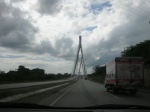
(141, 49)
(23, 74)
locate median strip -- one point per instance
(19, 96)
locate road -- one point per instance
(87, 93)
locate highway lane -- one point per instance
(87, 93)
(20, 85)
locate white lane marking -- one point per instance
(61, 96)
(16, 97)
(111, 94)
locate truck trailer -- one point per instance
(124, 74)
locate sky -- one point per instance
(45, 33)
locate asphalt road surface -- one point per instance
(85, 93)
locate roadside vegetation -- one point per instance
(99, 73)
(141, 49)
(23, 74)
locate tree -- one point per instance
(99, 73)
(98, 70)
(23, 71)
(141, 49)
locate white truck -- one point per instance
(124, 74)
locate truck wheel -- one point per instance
(114, 90)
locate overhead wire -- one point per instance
(139, 7)
(142, 9)
(131, 11)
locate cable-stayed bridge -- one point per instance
(79, 65)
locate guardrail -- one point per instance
(24, 94)
(29, 84)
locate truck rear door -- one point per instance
(129, 70)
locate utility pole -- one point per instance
(77, 58)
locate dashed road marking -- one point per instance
(61, 96)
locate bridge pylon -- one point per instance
(82, 63)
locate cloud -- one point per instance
(16, 1)
(63, 48)
(15, 31)
(18, 33)
(115, 26)
(49, 7)
(126, 31)
(43, 47)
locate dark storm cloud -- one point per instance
(132, 32)
(44, 47)
(49, 6)
(101, 53)
(15, 31)
(62, 48)
(64, 43)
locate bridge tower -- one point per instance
(77, 69)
